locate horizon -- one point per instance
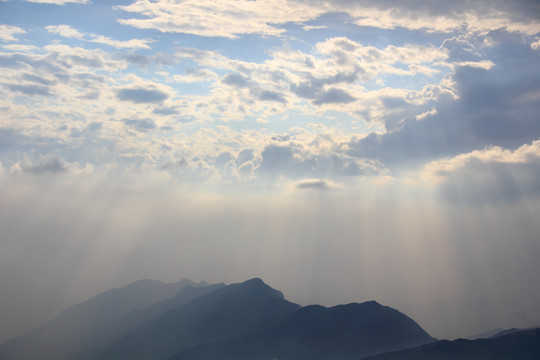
(342, 151)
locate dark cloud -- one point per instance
(235, 79)
(164, 111)
(141, 95)
(52, 164)
(38, 79)
(499, 106)
(14, 61)
(333, 96)
(142, 125)
(516, 10)
(31, 90)
(281, 138)
(135, 59)
(272, 96)
(313, 184)
(146, 60)
(315, 89)
(173, 164)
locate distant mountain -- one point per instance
(149, 320)
(224, 314)
(493, 333)
(521, 345)
(485, 335)
(86, 329)
(505, 332)
(341, 332)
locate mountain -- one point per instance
(149, 320)
(522, 345)
(343, 332)
(485, 335)
(505, 332)
(224, 314)
(86, 329)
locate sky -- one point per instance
(341, 150)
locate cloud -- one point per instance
(165, 111)
(224, 19)
(495, 105)
(315, 184)
(31, 90)
(141, 95)
(48, 164)
(233, 18)
(478, 15)
(7, 32)
(236, 79)
(142, 125)
(293, 161)
(266, 95)
(69, 32)
(333, 96)
(489, 175)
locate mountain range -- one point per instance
(150, 320)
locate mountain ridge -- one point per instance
(348, 331)
(77, 331)
(150, 320)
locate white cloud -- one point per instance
(231, 18)
(439, 170)
(69, 32)
(7, 32)
(20, 47)
(228, 18)
(490, 175)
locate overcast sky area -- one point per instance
(341, 150)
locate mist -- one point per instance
(456, 268)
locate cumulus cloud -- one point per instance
(488, 175)
(490, 106)
(7, 32)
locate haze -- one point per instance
(343, 151)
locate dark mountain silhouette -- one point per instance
(224, 314)
(86, 329)
(522, 345)
(342, 332)
(149, 320)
